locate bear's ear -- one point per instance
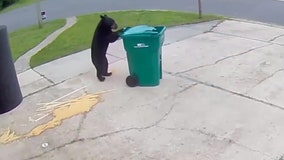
(102, 16)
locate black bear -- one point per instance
(103, 35)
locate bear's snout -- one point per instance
(114, 26)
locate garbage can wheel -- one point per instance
(132, 81)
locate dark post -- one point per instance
(10, 92)
(38, 12)
(199, 9)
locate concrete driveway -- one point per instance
(221, 98)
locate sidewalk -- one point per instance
(23, 63)
(221, 98)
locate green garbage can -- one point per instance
(143, 45)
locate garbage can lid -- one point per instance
(140, 29)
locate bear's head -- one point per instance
(107, 22)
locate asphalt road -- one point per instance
(270, 11)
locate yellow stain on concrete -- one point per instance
(67, 110)
(8, 136)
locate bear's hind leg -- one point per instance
(98, 67)
(100, 77)
(105, 68)
(100, 74)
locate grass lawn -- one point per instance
(25, 39)
(79, 36)
(20, 3)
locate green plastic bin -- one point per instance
(143, 45)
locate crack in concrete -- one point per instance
(52, 85)
(226, 90)
(81, 122)
(173, 105)
(49, 80)
(234, 93)
(248, 38)
(276, 37)
(30, 94)
(264, 79)
(220, 138)
(223, 59)
(76, 140)
(250, 50)
(80, 125)
(215, 26)
(231, 141)
(259, 40)
(193, 35)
